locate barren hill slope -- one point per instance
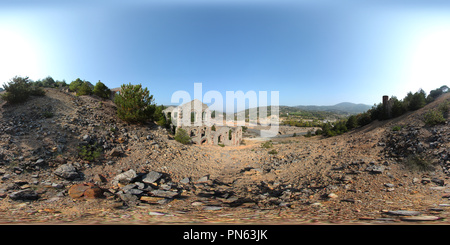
(52, 145)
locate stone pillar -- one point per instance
(385, 100)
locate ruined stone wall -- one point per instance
(204, 135)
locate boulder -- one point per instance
(125, 177)
(86, 190)
(67, 171)
(93, 192)
(24, 195)
(77, 191)
(86, 138)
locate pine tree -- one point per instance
(101, 90)
(134, 103)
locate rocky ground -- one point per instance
(68, 159)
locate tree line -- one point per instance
(134, 103)
(411, 102)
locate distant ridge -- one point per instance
(344, 107)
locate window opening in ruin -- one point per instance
(193, 116)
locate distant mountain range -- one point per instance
(344, 107)
(337, 111)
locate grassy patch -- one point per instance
(90, 152)
(267, 144)
(432, 118)
(420, 163)
(182, 136)
(273, 152)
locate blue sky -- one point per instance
(319, 52)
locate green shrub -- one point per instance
(90, 152)
(47, 114)
(182, 136)
(101, 90)
(267, 144)
(352, 122)
(273, 152)
(444, 107)
(134, 103)
(308, 134)
(75, 85)
(19, 89)
(419, 163)
(160, 118)
(416, 101)
(396, 128)
(81, 87)
(432, 118)
(84, 89)
(37, 91)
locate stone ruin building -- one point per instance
(195, 118)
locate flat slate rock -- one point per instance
(166, 194)
(404, 213)
(212, 208)
(185, 180)
(24, 195)
(151, 177)
(203, 179)
(421, 218)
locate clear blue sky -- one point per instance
(318, 52)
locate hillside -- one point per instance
(334, 112)
(341, 108)
(69, 159)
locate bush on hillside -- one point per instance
(134, 103)
(419, 163)
(74, 85)
(19, 89)
(101, 90)
(415, 101)
(352, 122)
(81, 87)
(182, 136)
(160, 118)
(90, 152)
(432, 118)
(84, 89)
